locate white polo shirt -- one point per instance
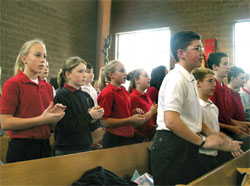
(179, 93)
(91, 91)
(210, 116)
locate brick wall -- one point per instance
(210, 18)
(67, 27)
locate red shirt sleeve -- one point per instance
(9, 98)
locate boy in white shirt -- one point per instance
(206, 85)
(88, 86)
(174, 156)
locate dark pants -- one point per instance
(27, 149)
(207, 163)
(173, 159)
(111, 140)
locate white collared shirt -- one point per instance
(179, 93)
(210, 116)
(91, 91)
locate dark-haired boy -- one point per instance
(219, 63)
(174, 157)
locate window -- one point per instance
(145, 49)
(242, 44)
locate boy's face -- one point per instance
(207, 85)
(239, 80)
(193, 55)
(89, 75)
(247, 85)
(223, 68)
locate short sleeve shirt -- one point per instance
(24, 98)
(210, 118)
(142, 101)
(179, 93)
(116, 104)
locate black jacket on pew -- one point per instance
(74, 129)
(101, 176)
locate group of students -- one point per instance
(189, 123)
(188, 130)
(31, 108)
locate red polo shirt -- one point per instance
(222, 99)
(23, 98)
(116, 104)
(142, 101)
(153, 92)
(235, 105)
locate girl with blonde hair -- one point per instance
(114, 98)
(27, 108)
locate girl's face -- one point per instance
(119, 76)
(96, 85)
(89, 76)
(144, 80)
(34, 61)
(45, 72)
(77, 76)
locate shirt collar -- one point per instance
(188, 76)
(204, 103)
(114, 87)
(245, 90)
(24, 78)
(136, 92)
(70, 88)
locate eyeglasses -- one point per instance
(211, 81)
(199, 48)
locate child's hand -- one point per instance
(137, 120)
(238, 153)
(53, 113)
(233, 146)
(96, 112)
(137, 111)
(154, 108)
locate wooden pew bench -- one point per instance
(64, 170)
(226, 174)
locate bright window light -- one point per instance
(242, 44)
(145, 49)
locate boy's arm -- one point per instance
(236, 129)
(175, 124)
(207, 130)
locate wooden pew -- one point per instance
(64, 170)
(3, 147)
(226, 174)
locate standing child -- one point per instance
(87, 87)
(115, 100)
(174, 156)
(205, 83)
(27, 106)
(245, 97)
(139, 82)
(73, 132)
(219, 63)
